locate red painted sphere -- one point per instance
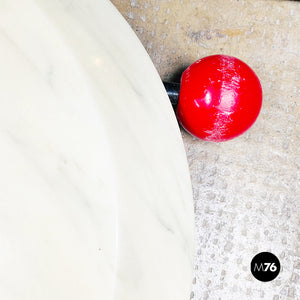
(220, 98)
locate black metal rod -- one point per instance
(173, 90)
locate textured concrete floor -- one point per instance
(246, 191)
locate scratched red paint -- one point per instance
(220, 98)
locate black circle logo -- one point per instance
(265, 266)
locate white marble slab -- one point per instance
(95, 197)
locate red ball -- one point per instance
(220, 98)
